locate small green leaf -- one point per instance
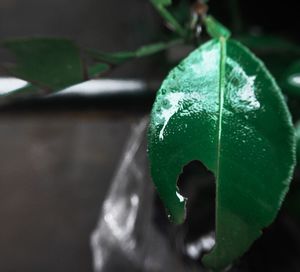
(48, 63)
(221, 106)
(98, 69)
(23, 92)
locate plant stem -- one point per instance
(171, 20)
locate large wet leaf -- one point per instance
(51, 64)
(222, 107)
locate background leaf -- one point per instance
(219, 106)
(48, 63)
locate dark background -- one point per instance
(56, 165)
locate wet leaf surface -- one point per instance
(222, 107)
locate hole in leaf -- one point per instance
(195, 236)
(198, 185)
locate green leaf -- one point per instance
(49, 63)
(222, 107)
(23, 92)
(121, 57)
(98, 69)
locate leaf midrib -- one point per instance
(223, 55)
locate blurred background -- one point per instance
(58, 157)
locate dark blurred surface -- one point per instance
(55, 171)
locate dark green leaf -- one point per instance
(222, 107)
(26, 91)
(52, 64)
(98, 69)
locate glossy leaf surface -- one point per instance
(48, 63)
(222, 107)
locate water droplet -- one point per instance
(163, 91)
(181, 67)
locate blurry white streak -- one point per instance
(119, 211)
(294, 80)
(90, 87)
(102, 86)
(10, 84)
